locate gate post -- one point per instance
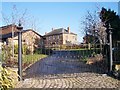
(20, 51)
(111, 51)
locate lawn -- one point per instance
(32, 58)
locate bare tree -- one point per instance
(101, 33)
(94, 27)
(15, 16)
(13, 19)
(27, 21)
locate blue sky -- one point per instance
(50, 15)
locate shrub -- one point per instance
(16, 49)
(25, 49)
(63, 46)
(7, 78)
(116, 71)
(6, 52)
(47, 51)
(38, 51)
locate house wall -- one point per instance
(69, 38)
(61, 39)
(29, 38)
(54, 40)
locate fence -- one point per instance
(69, 60)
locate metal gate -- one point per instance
(116, 53)
(63, 62)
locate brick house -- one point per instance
(30, 37)
(59, 37)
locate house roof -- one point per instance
(24, 31)
(58, 31)
(6, 31)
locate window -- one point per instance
(23, 40)
(49, 38)
(58, 36)
(66, 37)
(73, 37)
(53, 37)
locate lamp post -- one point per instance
(20, 51)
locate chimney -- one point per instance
(68, 28)
(45, 33)
(52, 29)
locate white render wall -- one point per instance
(70, 38)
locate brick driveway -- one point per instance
(81, 80)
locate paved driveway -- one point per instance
(61, 72)
(61, 63)
(82, 80)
